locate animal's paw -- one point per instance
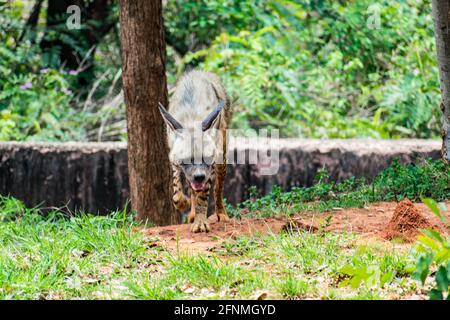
(191, 216)
(200, 224)
(222, 215)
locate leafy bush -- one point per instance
(324, 71)
(34, 101)
(33, 111)
(38, 102)
(191, 25)
(430, 179)
(415, 181)
(309, 68)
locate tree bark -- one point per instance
(441, 16)
(144, 83)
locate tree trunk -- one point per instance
(144, 83)
(441, 16)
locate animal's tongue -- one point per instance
(197, 186)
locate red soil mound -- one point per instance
(406, 222)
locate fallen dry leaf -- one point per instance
(187, 288)
(260, 295)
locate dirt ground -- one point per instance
(370, 222)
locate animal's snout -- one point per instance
(199, 177)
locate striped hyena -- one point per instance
(199, 115)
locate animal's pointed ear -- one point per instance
(171, 122)
(212, 118)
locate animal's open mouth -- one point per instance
(198, 186)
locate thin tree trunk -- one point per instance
(32, 20)
(441, 16)
(144, 82)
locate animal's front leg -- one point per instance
(220, 172)
(191, 216)
(201, 207)
(180, 201)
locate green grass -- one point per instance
(288, 266)
(291, 288)
(92, 257)
(55, 256)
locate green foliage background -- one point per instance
(320, 69)
(311, 68)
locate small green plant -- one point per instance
(238, 247)
(149, 291)
(434, 249)
(369, 275)
(292, 288)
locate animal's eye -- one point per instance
(208, 159)
(187, 161)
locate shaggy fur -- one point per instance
(195, 152)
